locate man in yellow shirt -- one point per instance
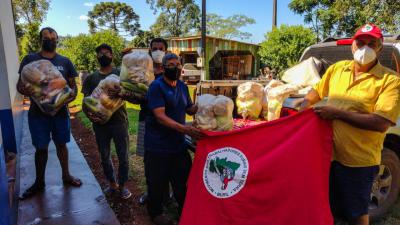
(362, 100)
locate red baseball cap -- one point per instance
(370, 30)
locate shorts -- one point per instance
(45, 128)
(350, 189)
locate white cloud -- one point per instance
(83, 17)
(88, 4)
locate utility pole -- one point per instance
(203, 38)
(274, 14)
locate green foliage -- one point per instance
(30, 41)
(115, 16)
(81, 49)
(218, 26)
(284, 45)
(142, 39)
(343, 17)
(28, 15)
(177, 17)
(30, 11)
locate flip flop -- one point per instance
(72, 181)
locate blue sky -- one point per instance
(69, 17)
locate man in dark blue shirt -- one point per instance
(43, 127)
(166, 157)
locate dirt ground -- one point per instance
(129, 212)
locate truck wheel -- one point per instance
(385, 189)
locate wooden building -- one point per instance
(225, 59)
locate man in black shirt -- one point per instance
(116, 128)
(43, 127)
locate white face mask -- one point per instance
(157, 56)
(364, 55)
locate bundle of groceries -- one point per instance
(136, 73)
(256, 102)
(99, 106)
(50, 89)
(215, 113)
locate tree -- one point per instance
(343, 17)
(30, 11)
(283, 46)
(28, 15)
(142, 39)
(228, 27)
(115, 16)
(81, 49)
(177, 17)
(30, 41)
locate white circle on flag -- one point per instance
(225, 172)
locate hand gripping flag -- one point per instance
(275, 173)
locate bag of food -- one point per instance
(276, 97)
(214, 113)
(268, 87)
(306, 73)
(223, 111)
(136, 73)
(99, 102)
(204, 118)
(249, 100)
(50, 88)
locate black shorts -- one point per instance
(350, 189)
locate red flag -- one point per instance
(273, 173)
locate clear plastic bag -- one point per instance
(214, 113)
(306, 73)
(136, 73)
(276, 97)
(268, 87)
(50, 87)
(249, 100)
(99, 102)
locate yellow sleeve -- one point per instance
(388, 103)
(322, 87)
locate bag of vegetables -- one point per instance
(249, 100)
(50, 88)
(214, 113)
(136, 73)
(99, 103)
(276, 97)
(271, 84)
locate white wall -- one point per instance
(10, 50)
(10, 99)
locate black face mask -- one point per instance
(172, 73)
(49, 45)
(104, 61)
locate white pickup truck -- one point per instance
(386, 187)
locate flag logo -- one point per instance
(225, 172)
(367, 28)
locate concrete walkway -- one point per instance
(60, 205)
